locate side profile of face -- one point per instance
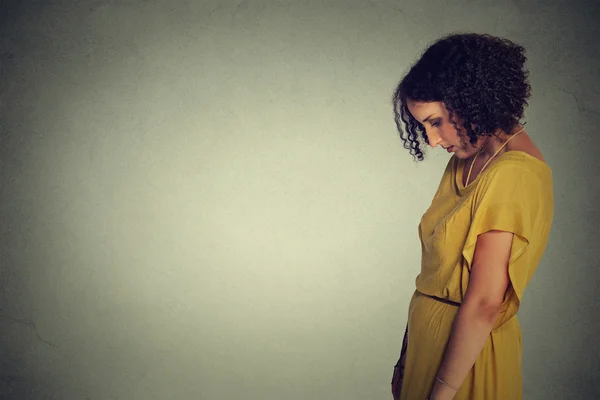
(435, 119)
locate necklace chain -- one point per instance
(490, 159)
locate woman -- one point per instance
(487, 226)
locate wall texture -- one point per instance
(209, 200)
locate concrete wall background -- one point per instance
(209, 200)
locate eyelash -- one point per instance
(436, 124)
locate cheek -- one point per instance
(449, 135)
(452, 137)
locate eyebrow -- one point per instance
(427, 119)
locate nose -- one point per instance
(434, 140)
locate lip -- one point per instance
(449, 149)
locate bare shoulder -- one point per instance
(527, 145)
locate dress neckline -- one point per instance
(460, 167)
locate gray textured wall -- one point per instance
(209, 200)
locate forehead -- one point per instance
(421, 109)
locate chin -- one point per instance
(458, 153)
(462, 154)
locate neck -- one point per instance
(491, 144)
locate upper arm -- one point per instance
(489, 277)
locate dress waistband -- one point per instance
(446, 301)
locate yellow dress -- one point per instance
(515, 194)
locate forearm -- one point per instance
(470, 331)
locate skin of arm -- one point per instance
(475, 318)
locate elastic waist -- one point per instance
(446, 301)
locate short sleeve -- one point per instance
(506, 199)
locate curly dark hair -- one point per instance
(479, 78)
